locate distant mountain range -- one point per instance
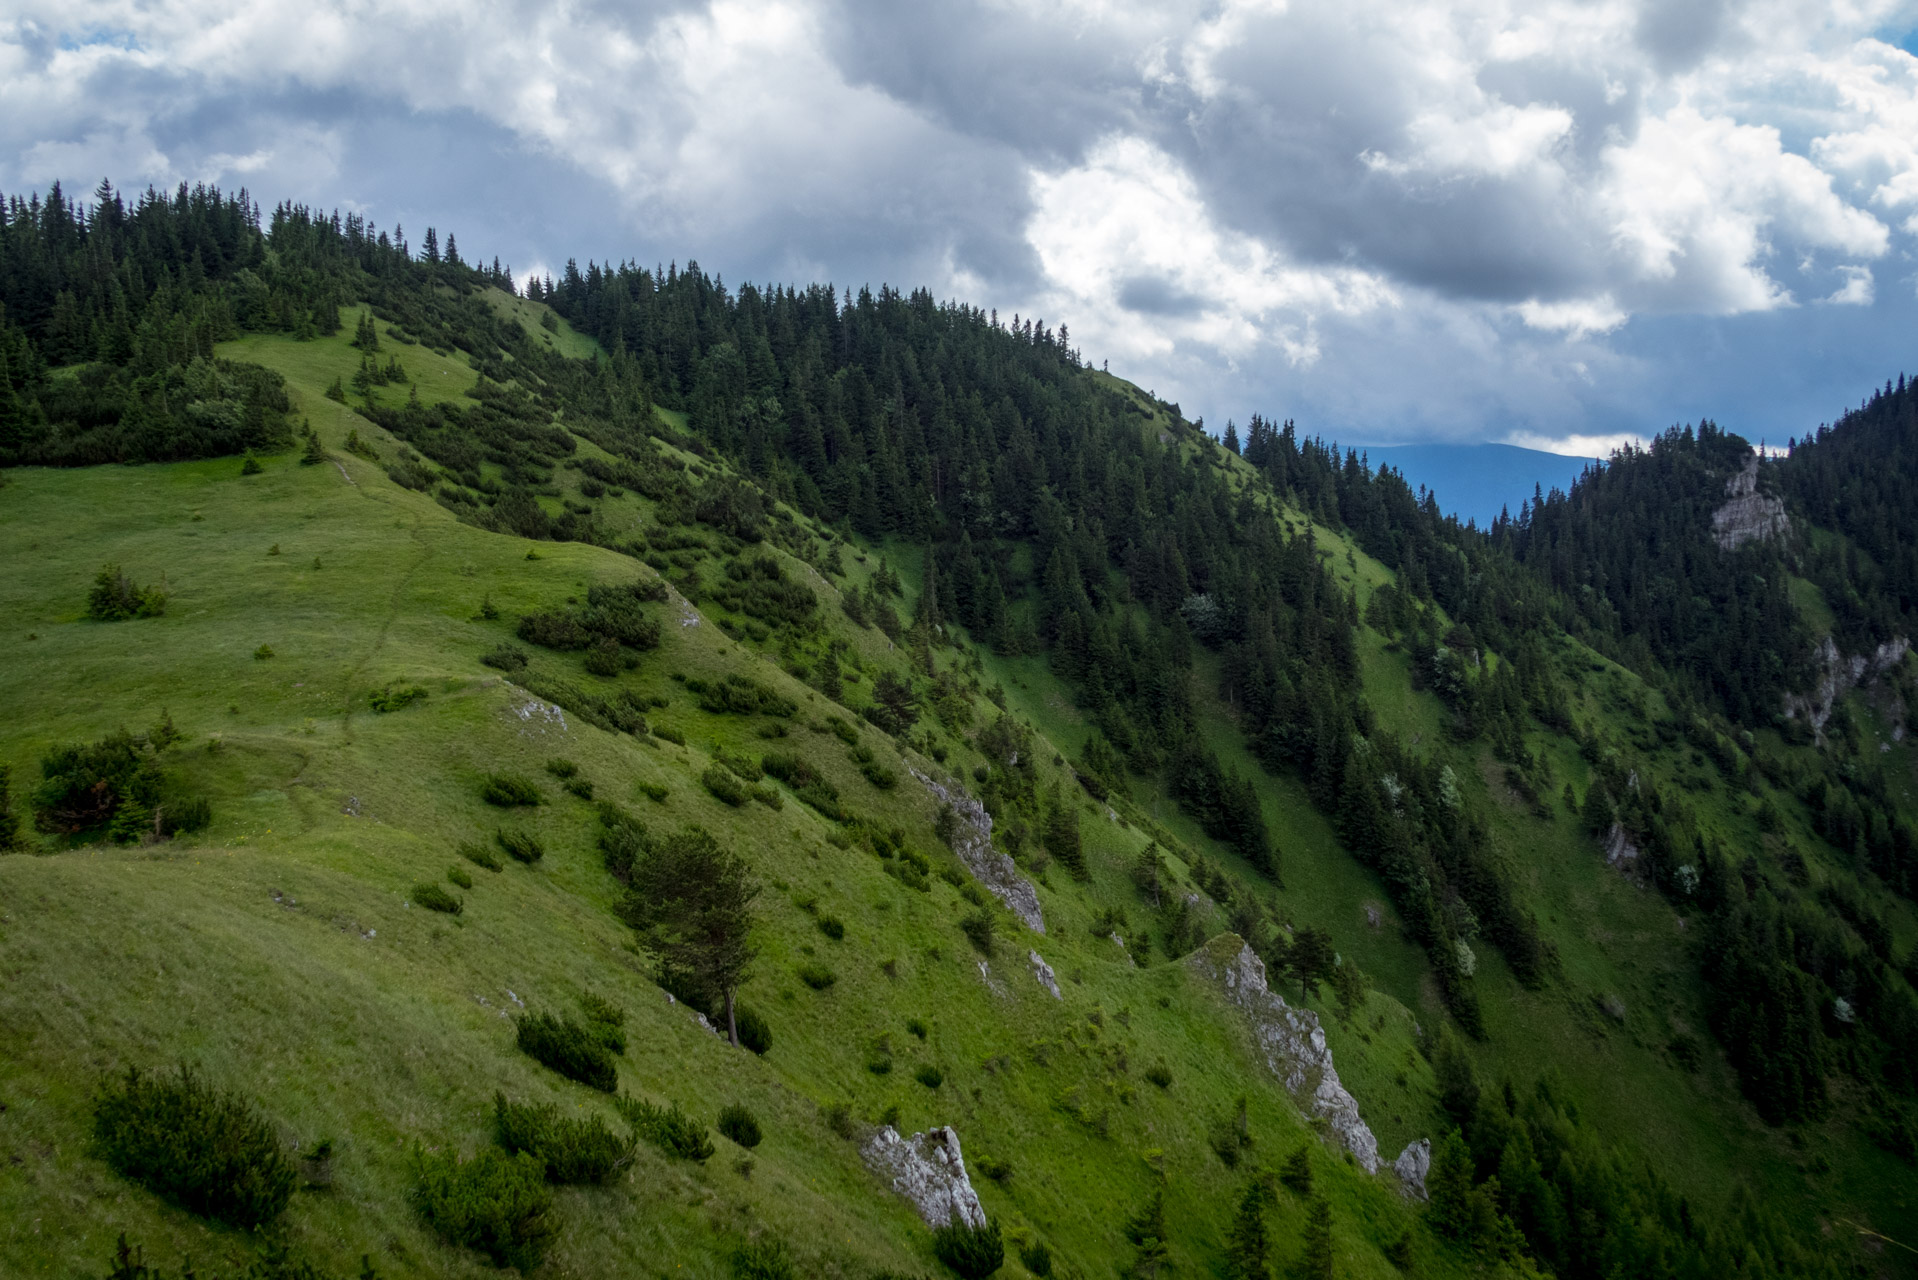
(1475, 481)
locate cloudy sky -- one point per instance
(1551, 221)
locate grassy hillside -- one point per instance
(279, 952)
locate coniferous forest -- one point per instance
(1193, 681)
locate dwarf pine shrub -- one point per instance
(392, 699)
(496, 1202)
(459, 877)
(725, 786)
(668, 1128)
(573, 1151)
(978, 927)
(194, 1145)
(754, 1034)
(505, 657)
(569, 1048)
(816, 975)
(523, 845)
(607, 1021)
(973, 1252)
(930, 1076)
(833, 927)
(115, 597)
(479, 855)
(507, 790)
(434, 898)
(764, 1260)
(739, 1125)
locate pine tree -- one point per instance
(1146, 1230)
(691, 903)
(9, 820)
(1248, 1247)
(1315, 1255)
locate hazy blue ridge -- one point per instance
(1475, 481)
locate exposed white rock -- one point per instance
(929, 1171)
(1839, 675)
(972, 841)
(1748, 515)
(536, 716)
(1043, 972)
(1412, 1165)
(1291, 1039)
(1620, 852)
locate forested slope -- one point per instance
(1517, 810)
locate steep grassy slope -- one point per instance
(278, 950)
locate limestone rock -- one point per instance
(1620, 852)
(929, 1171)
(972, 841)
(1748, 515)
(1291, 1039)
(1412, 1165)
(1043, 972)
(1839, 675)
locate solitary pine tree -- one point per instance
(1315, 1257)
(1248, 1247)
(692, 903)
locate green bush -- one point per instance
(652, 791)
(978, 927)
(930, 1076)
(833, 927)
(434, 898)
(605, 658)
(606, 1019)
(917, 1027)
(764, 1260)
(972, 1252)
(666, 733)
(816, 975)
(185, 815)
(479, 855)
(725, 786)
(9, 820)
(572, 1151)
(391, 699)
(668, 1128)
(459, 877)
(509, 789)
(1037, 1258)
(569, 1048)
(505, 657)
(560, 767)
(196, 1146)
(579, 787)
(523, 845)
(1160, 1074)
(740, 1125)
(795, 772)
(754, 1034)
(251, 467)
(115, 597)
(495, 1202)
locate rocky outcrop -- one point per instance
(929, 1171)
(1412, 1165)
(1620, 852)
(1291, 1039)
(972, 841)
(1748, 515)
(1043, 972)
(1839, 675)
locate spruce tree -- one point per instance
(1315, 1255)
(1247, 1244)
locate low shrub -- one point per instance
(754, 1034)
(668, 1128)
(251, 467)
(199, 1147)
(1160, 1074)
(524, 846)
(666, 733)
(764, 1260)
(508, 790)
(262, 653)
(795, 772)
(434, 898)
(838, 1118)
(569, 1048)
(115, 597)
(561, 767)
(999, 1171)
(725, 786)
(930, 1076)
(187, 814)
(572, 1151)
(917, 1027)
(978, 927)
(973, 1252)
(391, 699)
(496, 1202)
(833, 927)
(738, 695)
(742, 766)
(505, 657)
(652, 791)
(459, 877)
(607, 1019)
(1037, 1258)
(769, 797)
(739, 1125)
(606, 658)
(579, 787)
(816, 975)
(479, 855)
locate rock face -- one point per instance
(972, 841)
(928, 1170)
(1291, 1039)
(1748, 515)
(1620, 852)
(1412, 1165)
(1043, 972)
(1839, 675)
